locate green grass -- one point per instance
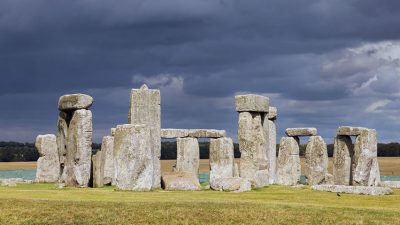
(44, 204)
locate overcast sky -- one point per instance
(322, 63)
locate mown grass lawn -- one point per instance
(44, 204)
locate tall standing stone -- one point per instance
(188, 155)
(79, 149)
(107, 147)
(145, 109)
(342, 157)
(48, 164)
(366, 150)
(133, 157)
(221, 158)
(98, 169)
(62, 136)
(271, 142)
(316, 166)
(288, 163)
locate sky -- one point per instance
(323, 63)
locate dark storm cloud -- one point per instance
(199, 53)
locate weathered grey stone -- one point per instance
(48, 164)
(206, 133)
(329, 179)
(390, 184)
(261, 179)
(186, 181)
(74, 102)
(62, 138)
(294, 132)
(353, 189)
(252, 145)
(98, 169)
(350, 131)
(12, 182)
(235, 184)
(375, 175)
(343, 151)
(272, 113)
(145, 109)
(251, 103)
(221, 158)
(271, 149)
(365, 150)
(79, 150)
(236, 171)
(174, 133)
(112, 131)
(316, 165)
(188, 155)
(288, 163)
(133, 157)
(107, 147)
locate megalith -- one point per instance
(98, 169)
(288, 163)
(316, 160)
(221, 158)
(188, 155)
(343, 152)
(48, 164)
(107, 147)
(271, 142)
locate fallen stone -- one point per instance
(221, 158)
(74, 102)
(288, 163)
(365, 151)
(343, 150)
(251, 103)
(235, 184)
(78, 158)
(174, 133)
(107, 147)
(390, 184)
(145, 109)
(316, 163)
(272, 113)
(350, 131)
(98, 169)
(363, 190)
(48, 164)
(294, 132)
(188, 155)
(186, 181)
(133, 158)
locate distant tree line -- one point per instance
(14, 151)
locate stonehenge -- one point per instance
(48, 164)
(98, 169)
(188, 155)
(356, 164)
(288, 163)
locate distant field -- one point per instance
(389, 166)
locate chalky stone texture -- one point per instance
(366, 147)
(186, 181)
(271, 149)
(251, 103)
(188, 155)
(390, 184)
(261, 179)
(79, 150)
(221, 158)
(353, 189)
(234, 184)
(343, 151)
(288, 164)
(62, 138)
(195, 133)
(112, 131)
(375, 175)
(316, 164)
(174, 133)
(145, 109)
(272, 113)
(74, 102)
(107, 147)
(98, 169)
(294, 132)
(252, 144)
(350, 131)
(133, 158)
(48, 164)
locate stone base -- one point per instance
(180, 181)
(353, 189)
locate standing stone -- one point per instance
(145, 109)
(271, 149)
(366, 151)
(107, 147)
(316, 166)
(98, 169)
(375, 175)
(188, 155)
(62, 138)
(48, 164)
(79, 149)
(252, 144)
(342, 160)
(221, 158)
(133, 158)
(288, 164)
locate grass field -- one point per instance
(389, 166)
(44, 204)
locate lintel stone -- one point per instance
(294, 132)
(251, 103)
